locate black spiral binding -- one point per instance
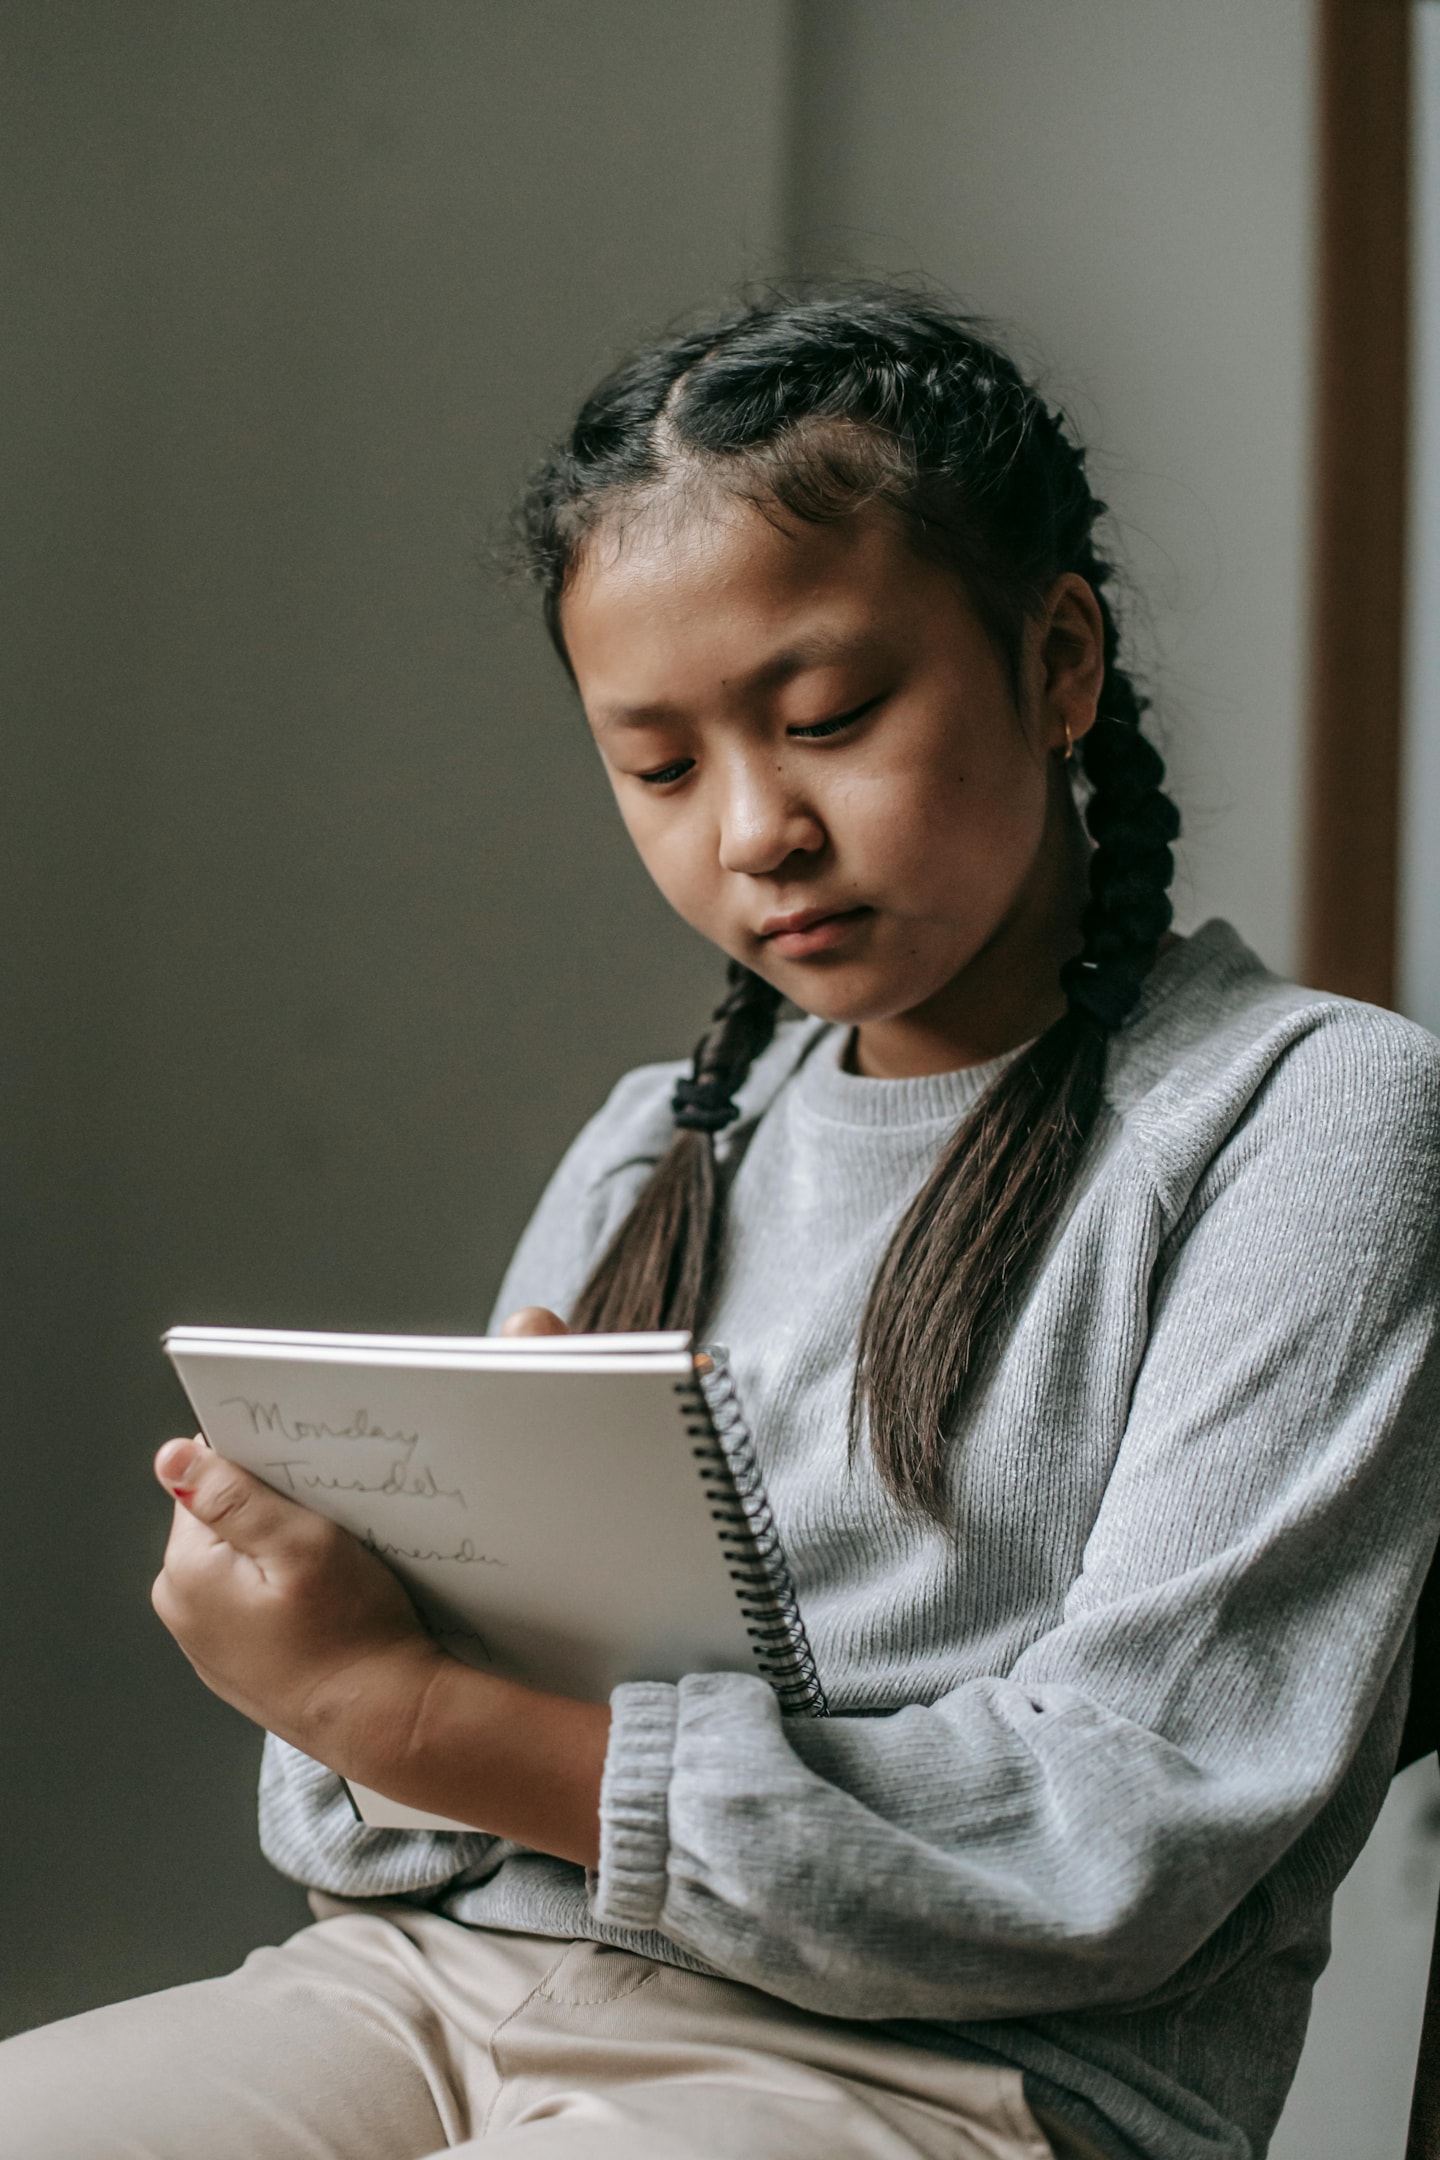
(721, 1443)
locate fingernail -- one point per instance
(178, 1465)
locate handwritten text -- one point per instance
(400, 1482)
(464, 1554)
(270, 1418)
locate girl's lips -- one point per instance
(797, 937)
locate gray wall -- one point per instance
(1125, 185)
(320, 933)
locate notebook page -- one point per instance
(547, 1512)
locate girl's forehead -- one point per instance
(716, 538)
(727, 568)
(669, 612)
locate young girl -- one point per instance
(1080, 1282)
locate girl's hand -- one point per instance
(299, 1627)
(534, 1320)
(287, 1617)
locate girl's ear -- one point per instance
(1071, 655)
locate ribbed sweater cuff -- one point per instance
(634, 1813)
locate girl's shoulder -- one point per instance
(1219, 1043)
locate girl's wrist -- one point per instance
(359, 1721)
(442, 1737)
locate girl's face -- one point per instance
(818, 753)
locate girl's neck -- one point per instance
(935, 1040)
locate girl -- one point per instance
(1081, 1285)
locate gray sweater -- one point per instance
(1099, 1756)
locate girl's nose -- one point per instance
(763, 822)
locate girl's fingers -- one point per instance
(174, 1463)
(231, 1504)
(534, 1320)
(175, 1471)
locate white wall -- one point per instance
(1351, 2099)
(1126, 184)
(1420, 885)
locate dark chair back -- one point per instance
(1422, 1737)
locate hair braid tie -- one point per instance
(1099, 993)
(703, 1105)
(743, 1024)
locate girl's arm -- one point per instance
(1221, 1698)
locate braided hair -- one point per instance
(824, 403)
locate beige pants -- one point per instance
(387, 2034)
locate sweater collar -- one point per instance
(828, 1091)
(845, 1098)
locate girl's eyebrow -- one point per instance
(819, 648)
(634, 716)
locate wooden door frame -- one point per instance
(1358, 573)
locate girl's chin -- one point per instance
(847, 997)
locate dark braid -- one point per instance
(1132, 823)
(741, 1026)
(822, 405)
(661, 1263)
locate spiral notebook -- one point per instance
(571, 1511)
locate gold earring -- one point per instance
(1069, 744)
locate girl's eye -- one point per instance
(821, 728)
(667, 775)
